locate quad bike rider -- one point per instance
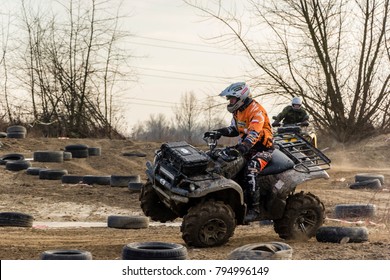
(203, 188)
(295, 120)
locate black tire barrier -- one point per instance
(66, 255)
(72, 179)
(10, 157)
(77, 150)
(154, 251)
(94, 151)
(96, 180)
(34, 170)
(262, 251)
(16, 219)
(124, 180)
(67, 156)
(17, 165)
(368, 176)
(3, 134)
(48, 156)
(133, 154)
(343, 211)
(127, 222)
(373, 184)
(342, 234)
(52, 174)
(16, 135)
(16, 129)
(135, 187)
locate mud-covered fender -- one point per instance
(219, 184)
(288, 180)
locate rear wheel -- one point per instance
(207, 224)
(153, 207)
(304, 214)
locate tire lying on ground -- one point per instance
(154, 251)
(52, 174)
(94, 151)
(123, 180)
(16, 219)
(368, 176)
(96, 180)
(262, 251)
(63, 254)
(10, 157)
(366, 184)
(16, 131)
(135, 187)
(133, 154)
(67, 156)
(127, 222)
(72, 179)
(34, 170)
(16, 135)
(17, 165)
(48, 156)
(342, 234)
(354, 211)
(77, 150)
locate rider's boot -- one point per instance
(252, 191)
(253, 212)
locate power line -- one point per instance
(184, 79)
(173, 41)
(153, 105)
(150, 100)
(183, 49)
(185, 73)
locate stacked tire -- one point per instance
(368, 181)
(16, 131)
(77, 150)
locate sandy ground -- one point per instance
(52, 204)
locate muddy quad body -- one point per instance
(203, 188)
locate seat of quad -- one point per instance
(279, 163)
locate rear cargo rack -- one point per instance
(306, 157)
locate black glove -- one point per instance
(305, 123)
(276, 123)
(242, 149)
(212, 134)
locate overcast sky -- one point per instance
(177, 58)
(171, 57)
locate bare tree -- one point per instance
(331, 53)
(187, 115)
(73, 63)
(213, 114)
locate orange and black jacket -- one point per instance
(252, 124)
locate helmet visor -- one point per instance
(232, 99)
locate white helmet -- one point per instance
(239, 90)
(296, 103)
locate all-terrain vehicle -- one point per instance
(286, 132)
(203, 188)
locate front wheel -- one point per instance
(304, 214)
(208, 224)
(153, 207)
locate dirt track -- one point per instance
(51, 201)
